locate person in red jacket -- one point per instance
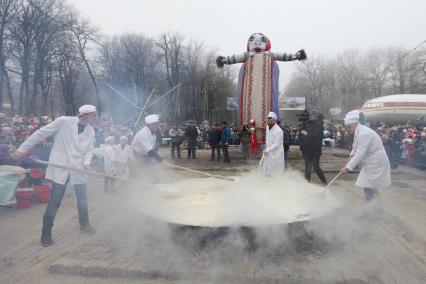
(254, 146)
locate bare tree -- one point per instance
(398, 71)
(51, 22)
(139, 61)
(193, 62)
(23, 38)
(85, 34)
(171, 45)
(375, 72)
(351, 78)
(130, 64)
(8, 10)
(69, 66)
(314, 71)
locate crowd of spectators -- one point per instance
(13, 132)
(405, 144)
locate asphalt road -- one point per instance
(357, 244)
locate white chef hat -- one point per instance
(152, 118)
(352, 117)
(110, 140)
(87, 109)
(272, 115)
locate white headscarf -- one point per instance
(87, 109)
(152, 118)
(352, 117)
(272, 115)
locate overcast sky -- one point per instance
(322, 27)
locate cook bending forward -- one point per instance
(368, 151)
(74, 138)
(145, 150)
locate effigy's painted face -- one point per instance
(258, 43)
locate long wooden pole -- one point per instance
(203, 173)
(333, 180)
(96, 173)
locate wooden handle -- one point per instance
(92, 172)
(261, 160)
(336, 177)
(203, 173)
(24, 171)
(191, 170)
(105, 175)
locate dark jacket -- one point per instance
(396, 142)
(214, 137)
(244, 136)
(192, 134)
(286, 139)
(226, 135)
(311, 144)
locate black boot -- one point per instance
(322, 177)
(46, 238)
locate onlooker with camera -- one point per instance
(311, 145)
(286, 142)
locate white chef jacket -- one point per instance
(273, 162)
(123, 155)
(69, 148)
(110, 160)
(144, 141)
(368, 151)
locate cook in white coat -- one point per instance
(110, 162)
(73, 146)
(124, 156)
(369, 153)
(110, 158)
(273, 155)
(145, 150)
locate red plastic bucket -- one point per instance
(24, 197)
(42, 193)
(37, 173)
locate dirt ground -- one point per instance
(359, 243)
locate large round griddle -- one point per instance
(251, 201)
